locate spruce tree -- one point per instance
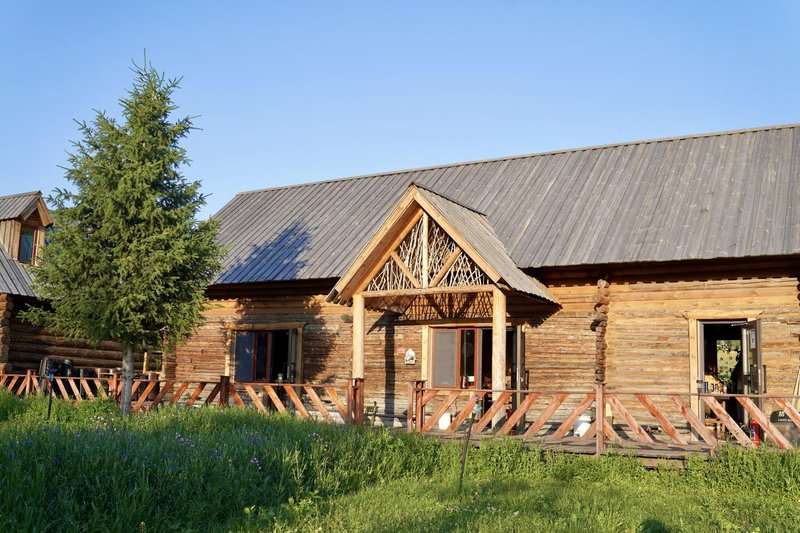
(127, 259)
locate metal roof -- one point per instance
(14, 279)
(474, 227)
(730, 194)
(18, 205)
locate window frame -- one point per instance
(34, 246)
(295, 344)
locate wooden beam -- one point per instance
(445, 267)
(498, 349)
(425, 263)
(429, 290)
(407, 271)
(358, 335)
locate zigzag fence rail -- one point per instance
(325, 402)
(642, 421)
(625, 420)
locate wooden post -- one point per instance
(350, 403)
(224, 389)
(412, 393)
(114, 386)
(419, 408)
(358, 336)
(356, 396)
(600, 419)
(498, 350)
(28, 382)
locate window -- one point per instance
(455, 357)
(269, 355)
(27, 244)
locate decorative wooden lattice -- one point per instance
(446, 265)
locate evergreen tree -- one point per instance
(127, 259)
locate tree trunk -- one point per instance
(127, 380)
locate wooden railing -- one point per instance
(624, 419)
(324, 402)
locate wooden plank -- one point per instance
(359, 332)
(405, 270)
(134, 387)
(254, 398)
(517, 415)
(695, 422)
(541, 420)
(317, 402)
(639, 433)
(212, 394)
(729, 422)
(591, 432)
(177, 396)
(84, 383)
(100, 389)
(143, 396)
(60, 383)
(430, 290)
(236, 398)
(464, 414)
(196, 394)
(165, 388)
(498, 404)
(273, 396)
(75, 390)
(663, 421)
(789, 409)
(337, 402)
(567, 425)
(428, 395)
(609, 432)
(295, 400)
(451, 259)
(446, 403)
(782, 442)
(498, 351)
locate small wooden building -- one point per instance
(666, 265)
(24, 220)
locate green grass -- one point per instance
(228, 469)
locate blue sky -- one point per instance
(290, 92)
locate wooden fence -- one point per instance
(657, 421)
(323, 402)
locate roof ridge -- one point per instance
(460, 204)
(15, 195)
(523, 156)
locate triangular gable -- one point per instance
(461, 249)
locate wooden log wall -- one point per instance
(28, 345)
(326, 341)
(6, 307)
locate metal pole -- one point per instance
(475, 410)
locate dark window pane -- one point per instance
(279, 356)
(261, 356)
(445, 358)
(468, 356)
(244, 356)
(26, 241)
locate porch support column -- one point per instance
(498, 348)
(358, 336)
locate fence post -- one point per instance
(600, 419)
(28, 381)
(113, 386)
(358, 386)
(224, 384)
(410, 409)
(420, 409)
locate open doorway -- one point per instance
(730, 363)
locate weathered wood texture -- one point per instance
(9, 236)
(648, 338)
(326, 342)
(28, 345)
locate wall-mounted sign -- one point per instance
(411, 357)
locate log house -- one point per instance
(627, 265)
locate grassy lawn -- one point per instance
(227, 469)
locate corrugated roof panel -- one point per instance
(14, 279)
(697, 197)
(17, 205)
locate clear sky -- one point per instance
(290, 92)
